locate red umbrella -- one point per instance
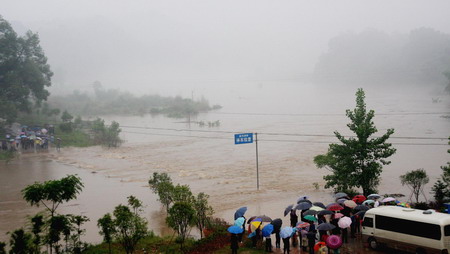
(334, 207)
(319, 245)
(359, 199)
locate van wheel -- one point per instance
(373, 243)
(420, 251)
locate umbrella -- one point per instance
(276, 224)
(319, 204)
(235, 230)
(267, 230)
(325, 226)
(341, 201)
(288, 209)
(239, 221)
(286, 232)
(334, 207)
(350, 203)
(361, 214)
(265, 218)
(338, 215)
(319, 245)
(251, 219)
(373, 196)
(240, 212)
(302, 224)
(303, 206)
(359, 199)
(310, 218)
(403, 204)
(340, 195)
(325, 212)
(368, 202)
(344, 222)
(316, 208)
(388, 199)
(334, 242)
(304, 201)
(302, 198)
(254, 224)
(361, 208)
(310, 212)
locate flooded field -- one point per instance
(292, 125)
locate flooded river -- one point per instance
(294, 123)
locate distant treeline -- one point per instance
(372, 56)
(112, 101)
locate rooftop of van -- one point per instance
(410, 214)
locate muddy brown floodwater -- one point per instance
(207, 160)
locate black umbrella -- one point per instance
(310, 212)
(340, 195)
(304, 201)
(303, 206)
(240, 212)
(325, 212)
(361, 208)
(276, 225)
(325, 226)
(319, 204)
(288, 209)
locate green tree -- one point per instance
(130, 228)
(203, 211)
(2, 248)
(357, 161)
(181, 218)
(51, 194)
(37, 224)
(162, 185)
(24, 72)
(441, 188)
(20, 242)
(182, 193)
(415, 180)
(107, 229)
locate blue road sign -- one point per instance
(243, 138)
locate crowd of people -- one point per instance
(28, 138)
(314, 227)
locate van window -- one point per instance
(368, 222)
(409, 227)
(447, 230)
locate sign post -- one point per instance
(246, 138)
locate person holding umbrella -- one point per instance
(234, 230)
(276, 230)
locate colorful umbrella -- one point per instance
(359, 199)
(286, 232)
(316, 208)
(240, 212)
(325, 226)
(344, 222)
(235, 229)
(319, 204)
(310, 218)
(267, 230)
(334, 207)
(388, 199)
(350, 203)
(334, 242)
(265, 218)
(338, 215)
(302, 224)
(239, 221)
(319, 245)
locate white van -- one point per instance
(407, 229)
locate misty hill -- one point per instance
(115, 102)
(375, 57)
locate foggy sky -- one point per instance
(142, 46)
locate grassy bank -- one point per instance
(76, 138)
(6, 156)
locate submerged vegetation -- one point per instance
(112, 101)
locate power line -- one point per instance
(324, 114)
(269, 140)
(274, 134)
